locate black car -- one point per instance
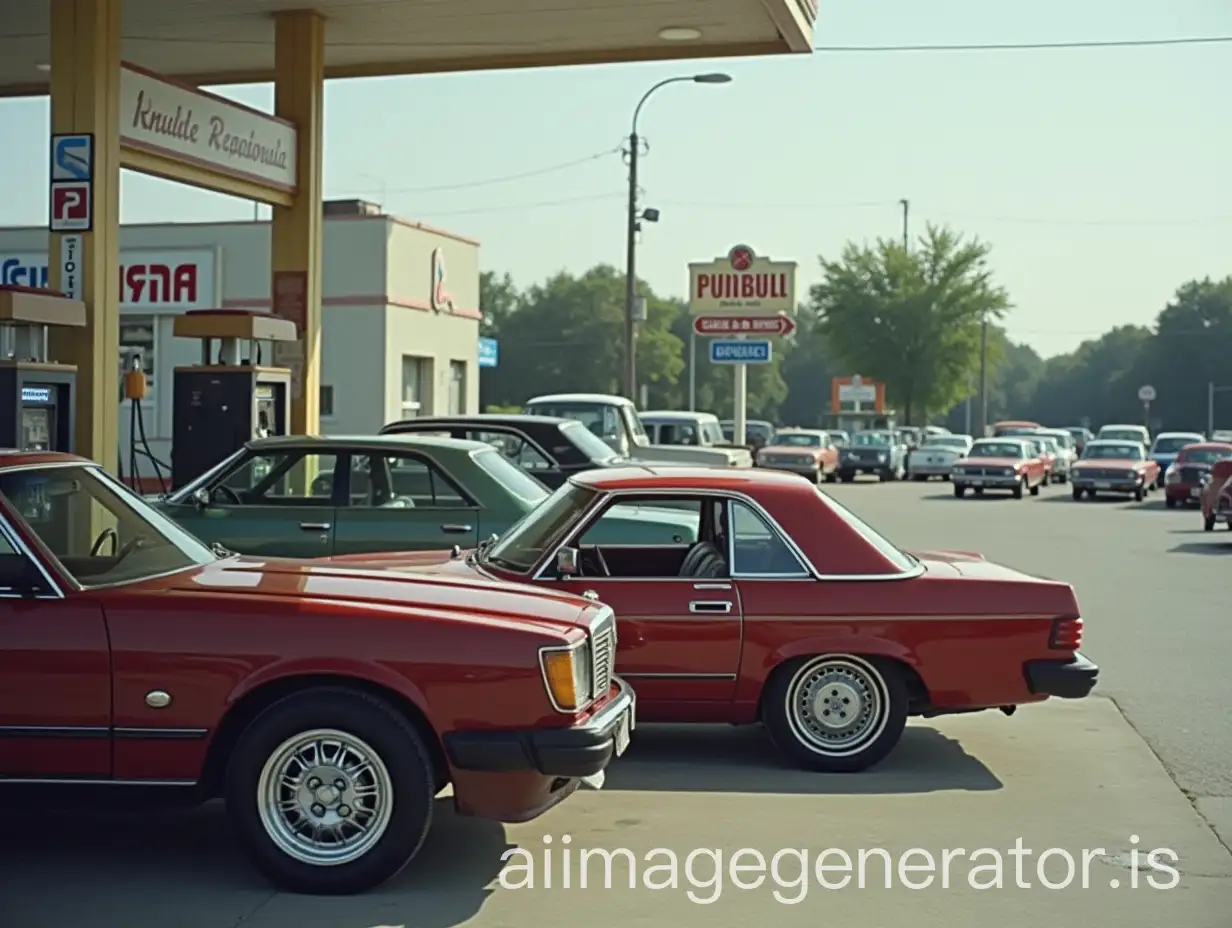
(549, 449)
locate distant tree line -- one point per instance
(909, 317)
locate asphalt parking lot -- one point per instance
(1145, 765)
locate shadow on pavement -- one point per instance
(1216, 546)
(185, 869)
(722, 758)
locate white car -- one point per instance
(1066, 452)
(936, 457)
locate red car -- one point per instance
(327, 704)
(1011, 463)
(1191, 471)
(773, 603)
(1216, 499)
(1107, 466)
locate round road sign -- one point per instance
(741, 257)
(1146, 393)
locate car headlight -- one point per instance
(567, 676)
(1008, 472)
(1172, 476)
(881, 459)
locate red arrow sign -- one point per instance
(744, 325)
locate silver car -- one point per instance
(936, 457)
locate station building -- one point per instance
(399, 320)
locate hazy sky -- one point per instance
(1102, 178)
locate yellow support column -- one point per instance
(299, 97)
(85, 97)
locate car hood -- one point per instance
(925, 449)
(360, 582)
(1109, 462)
(990, 462)
(789, 449)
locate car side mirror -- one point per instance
(201, 498)
(567, 562)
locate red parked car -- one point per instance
(1012, 463)
(1191, 471)
(776, 604)
(1122, 468)
(1216, 499)
(327, 704)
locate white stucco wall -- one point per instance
(377, 303)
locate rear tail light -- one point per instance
(1066, 634)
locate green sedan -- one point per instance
(314, 496)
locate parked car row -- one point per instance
(329, 631)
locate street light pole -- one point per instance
(906, 205)
(983, 377)
(631, 226)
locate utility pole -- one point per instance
(906, 205)
(631, 272)
(983, 377)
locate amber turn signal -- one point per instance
(567, 676)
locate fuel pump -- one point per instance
(229, 398)
(37, 395)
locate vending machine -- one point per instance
(231, 397)
(37, 394)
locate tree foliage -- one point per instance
(911, 319)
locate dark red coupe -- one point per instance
(1191, 472)
(774, 603)
(327, 704)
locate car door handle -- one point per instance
(315, 526)
(710, 606)
(456, 529)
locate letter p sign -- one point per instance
(70, 207)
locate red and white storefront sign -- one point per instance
(744, 325)
(163, 279)
(742, 282)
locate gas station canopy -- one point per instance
(232, 41)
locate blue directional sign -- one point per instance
(733, 351)
(489, 352)
(72, 157)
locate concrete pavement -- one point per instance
(1072, 776)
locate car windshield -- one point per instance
(871, 439)
(996, 449)
(1113, 451)
(840, 438)
(938, 442)
(521, 548)
(1120, 435)
(1061, 439)
(600, 419)
(900, 559)
(587, 442)
(99, 531)
(797, 440)
(1171, 444)
(1050, 444)
(1204, 455)
(511, 477)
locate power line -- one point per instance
(505, 178)
(511, 207)
(1029, 46)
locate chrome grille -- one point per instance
(987, 471)
(1190, 473)
(1096, 473)
(603, 654)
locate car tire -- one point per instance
(362, 732)
(832, 477)
(1208, 523)
(1140, 494)
(872, 690)
(1047, 479)
(1020, 489)
(885, 476)
(920, 478)
(1077, 494)
(959, 491)
(846, 478)
(1170, 502)
(1035, 490)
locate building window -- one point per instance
(138, 332)
(457, 388)
(416, 386)
(327, 400)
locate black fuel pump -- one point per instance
(37, 396)
(229, 398)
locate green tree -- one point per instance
(911, 318)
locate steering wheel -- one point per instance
(106, 533)
(602, 563)
(231, 496)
